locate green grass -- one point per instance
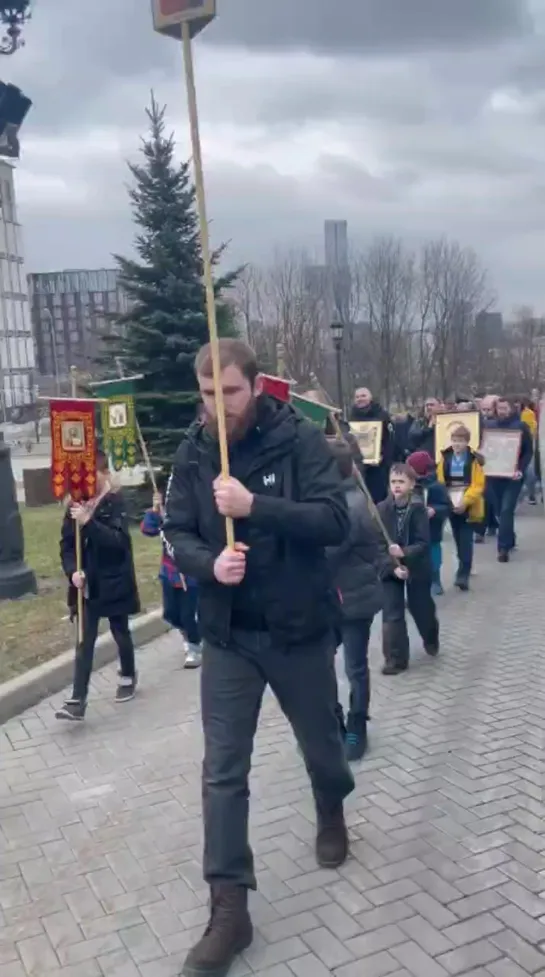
(35, 629)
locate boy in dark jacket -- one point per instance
(435, 497)
(354, 565)
(409, 562)
(108, 581)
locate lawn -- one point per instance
(35, 629)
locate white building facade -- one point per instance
(17, 356)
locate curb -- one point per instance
(27, 690)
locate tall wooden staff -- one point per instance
(175, 19)
(77, 527)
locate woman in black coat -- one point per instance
(108, 580)
(355, 569)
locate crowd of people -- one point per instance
(324, 543)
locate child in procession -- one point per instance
(108, 581)
(354, 566)
(433, 494)
(408, 564)
(461, 471)
(179, 593)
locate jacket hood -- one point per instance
(277, 420)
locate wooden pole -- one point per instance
(207, 262)
(77, 529)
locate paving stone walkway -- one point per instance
(100, 829)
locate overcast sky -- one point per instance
(413, 117)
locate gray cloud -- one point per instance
(412, 117)
(370, 26)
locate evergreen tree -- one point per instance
(166, 323)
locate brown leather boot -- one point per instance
(228, 933)
(331, 837)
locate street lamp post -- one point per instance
(13, 16)
(337, 332)
(47, 317)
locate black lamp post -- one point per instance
(13, 16)
(337, 331)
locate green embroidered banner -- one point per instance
(313, 411)
(119, 420)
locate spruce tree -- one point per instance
(166, 323)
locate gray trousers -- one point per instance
(233, 682)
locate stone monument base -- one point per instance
(16, 580)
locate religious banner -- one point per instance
(73, 448)
(168, 15)
(119, 428)
(276, 387)
(313, 410)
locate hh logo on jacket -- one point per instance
(269, 480)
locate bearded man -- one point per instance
(268, 615)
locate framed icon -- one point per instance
(446, 423)
(117, 416)
(501, 451)
(369, 437)
(73, 436)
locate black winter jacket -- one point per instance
(414, 538)
(107, 559)
(355, 564)
(299, 508)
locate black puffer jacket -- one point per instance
(299, 508)
(107, 559)
(355, 563)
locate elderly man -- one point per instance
(365, 408)
(422, 432)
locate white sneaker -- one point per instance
(193, 656)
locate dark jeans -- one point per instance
(119, 626)
(505, 493)
(356, 643)
(395, 637)
(462, 531)
(233, 682)
(180, 610)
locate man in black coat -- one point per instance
(422, 430)
(367, 409)
(268, 613)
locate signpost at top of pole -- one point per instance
(182, 20)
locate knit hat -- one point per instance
(421, 463)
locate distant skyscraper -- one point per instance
(336, 243)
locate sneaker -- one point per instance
(393, 668)
(228, 933)
(437, 589)
(331, 838)
(532, 501)
(503, 556)
(73, 710)
(126, 688)
(193, 656)
(355, 746)
(462, 582)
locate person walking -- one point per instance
(461, 471)
(269, 616)
(355, 568)
(108, 580)
(505, 492)
(434, 496)
(408, 565)
(366, 408)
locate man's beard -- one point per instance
(237, 427)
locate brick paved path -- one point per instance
(100, 825)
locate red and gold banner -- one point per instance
(73, 448)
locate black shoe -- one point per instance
(331, 837)
(432, 649)
(503, 556)
(126, 688)
(228, 933)
(73, 710)
(393, 668)
(479, 539)
(461, 582)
